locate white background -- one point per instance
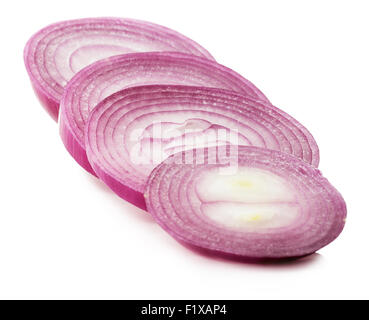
(63, 234)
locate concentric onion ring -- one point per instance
(55, 53)
(133, 130)
(273, 205)
(99, 80)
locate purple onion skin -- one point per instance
(123, 191)
(241, 259)
(74, 147)
(50, 105)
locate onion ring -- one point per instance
(133, 130)
(101, 79)
(54, 54)
(273, 205)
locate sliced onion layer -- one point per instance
(133, 130)
(54, 54)
(249, 202)
(101, 79)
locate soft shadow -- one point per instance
(128, 207)
(97, 182)
(272, 263)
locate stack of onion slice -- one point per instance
(133, 130)
(271, 205)
(101, 79)
(56, 53)
(194, 143)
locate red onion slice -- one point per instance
(270, 205)
(55, 53)
(133, 130)
(101, 79)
